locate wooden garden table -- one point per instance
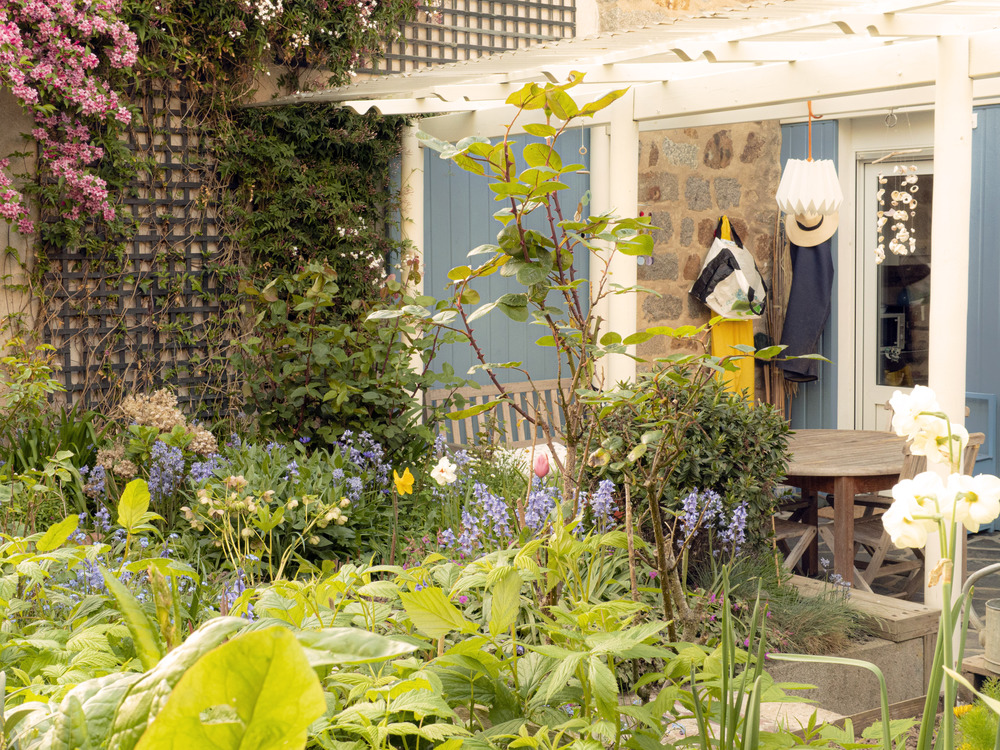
(846, 463)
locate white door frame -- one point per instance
(860, 139)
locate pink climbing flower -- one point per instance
(50, 51)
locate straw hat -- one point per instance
(807, 230)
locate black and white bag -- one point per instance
(729, 281)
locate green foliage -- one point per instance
(307, 373)
(311, 183)
(723, 443)
(978, 725)
(529, 185)
(221, 46)
(269, 706)
(25, 384)
(823, 624)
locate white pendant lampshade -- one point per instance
(809, 188)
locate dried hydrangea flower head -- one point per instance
(202, 442)
(158, 410)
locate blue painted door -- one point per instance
(458, 216)
(815, 404)
(983, 355)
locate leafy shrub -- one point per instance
(321, 504)
(310, 372)
(727, 445)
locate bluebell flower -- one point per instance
(541, 501)
(203, 470)
(602, 503)
(305, 440)
(440, 444)
(292, 470)
(95, 487)
(354, 487)
(338, 475)
(166, 470)
(701, 509)
(735, 533)
(231, 593)
(102, 520)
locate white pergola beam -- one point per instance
(910, 24)
(756, 32)
(417, 106)
(984, 55)
(857, 105)
(897, 66)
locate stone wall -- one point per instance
(15, 302)
(688, 179)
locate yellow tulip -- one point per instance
(404, 484)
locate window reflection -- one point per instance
(904, 295)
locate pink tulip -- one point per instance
(541, 465)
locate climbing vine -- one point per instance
(172, 158)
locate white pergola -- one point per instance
(762, 62)
(851, 57)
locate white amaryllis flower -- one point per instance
(977, 499)
(444, 472)
(931, 440)
(914, 500)
(906, 407)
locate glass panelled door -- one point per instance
(894, 309)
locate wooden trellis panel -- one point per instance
(153, 317)
(457, 30)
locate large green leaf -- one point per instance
(349, 646)
(148, 694)
(57, 534)
(134, 504)
(432, 614)
(506, 602)
(256, 691)
(69, 731)
(98, 699)
(147, 645)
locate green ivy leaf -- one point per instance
(256, 691)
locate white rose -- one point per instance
(906, 407)
(444, 472)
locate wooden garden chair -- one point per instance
(883, 560)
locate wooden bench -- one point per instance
(514, 429)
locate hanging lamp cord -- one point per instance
(812, 117)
